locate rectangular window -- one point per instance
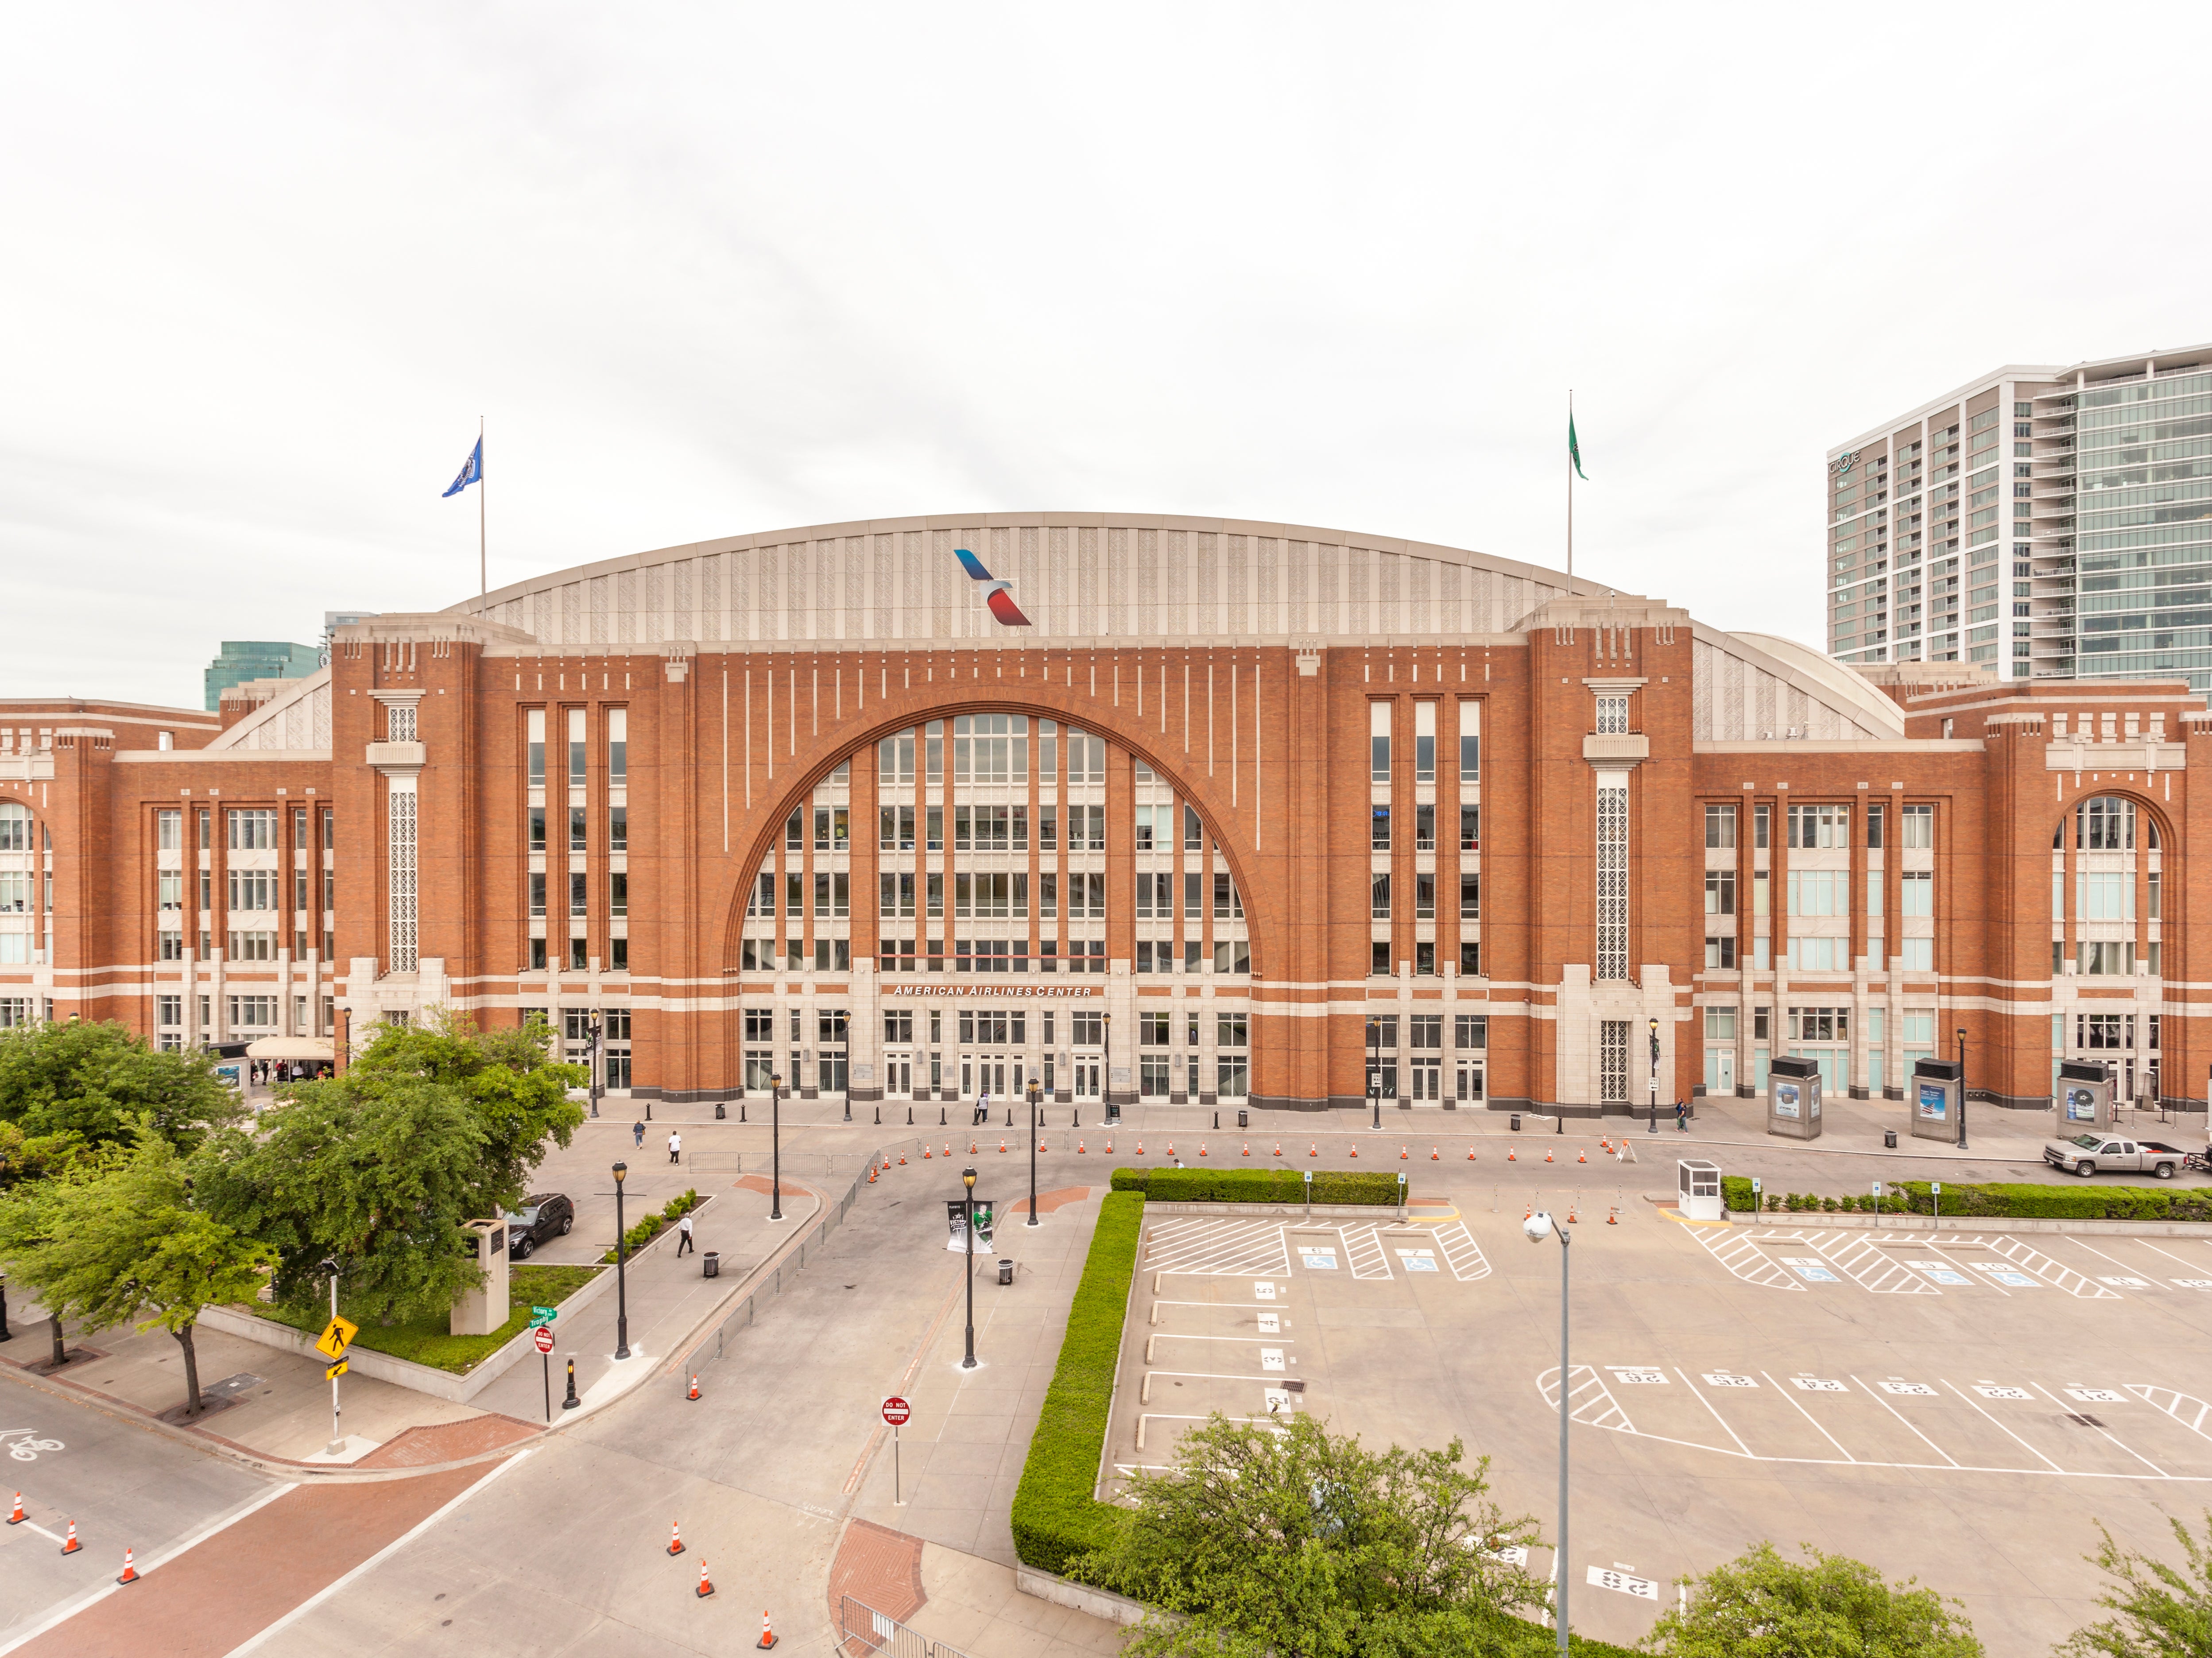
(619, 829)
(1720, 952)
(537, 829)
(1471, 1031)
(576, 831)
(1720, 892)
(1720, 826)
(1820, 828)
(1378, 829)
(1425, 897)
(1425, 742)
(251, 831)
(618, 747)
(537, 892)
(1873, 826)
(619, 894)
(1470, 828)
(1919, 828)
(1819, 892)
(1761, 820)
(576, 893)
(1378, 741)
(1470, 897)
(2104, 895)
(1379, 897)
(575, 748)
(1917, 892)
(1470, 743)
(535, 721)
(1612, 716)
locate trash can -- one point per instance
(721, 1112)
(1005, 1272)
(1516, 1122)
(1889, 1138)
(710, 1264)
(1243, 1120)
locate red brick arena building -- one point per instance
(1183, 810)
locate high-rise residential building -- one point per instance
(256, 659)
(2047, 522)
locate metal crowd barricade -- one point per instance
(862, 1629)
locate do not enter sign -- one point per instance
(542, 1339)
(896, 1411)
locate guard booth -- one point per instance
(2085, 1098)
(1937, 1097)
(1700, 1189)
(956, 1218)
(1793, 1098)
(480, 1312)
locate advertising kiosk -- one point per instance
(1933, 1099)
(2085, 1099)
(1793, 1099)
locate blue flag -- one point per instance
(472, 471)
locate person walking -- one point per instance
(637, 1134)
(683, 1244)
(1681, 1118)
(675, 1146)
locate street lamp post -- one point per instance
(1534, 1228)
(968, 1249)
(776, 1146)
(1654, 1128)
(1962, 1087)
(1036, 1120)
(1106, 1033)
(592, 1038)
(6, 1334)
(621, 1259)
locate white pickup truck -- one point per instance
(2085, 1154)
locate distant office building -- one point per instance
(2042, 521)
(254, 659)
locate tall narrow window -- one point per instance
(536, 723)
(1378, 741)
(1613, 875)
(618, 746)
(1425, 742)
(1470, 741)
(575, 748)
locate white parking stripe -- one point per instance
(1715, 1409)
(1877, 1398)
(2087, 1421)
(1808, 1416)
(2009, 1433)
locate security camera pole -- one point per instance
(1535, 1227)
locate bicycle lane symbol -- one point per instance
(24, 1446)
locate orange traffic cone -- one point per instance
(1582, 1157)
(1510, 1155)
(768, 1635)
(1201, 1147)
(1279, 1148)
(872, 1174)
(1612, 1216)
(1355, 1151)
(70, 1544)
(1570, 1213)
(971, 1148)
(694, 1393)
(1040, 1145)
(1312, 1148)
(1528, 1209)
(887, 1162)
(1548, 1156)
(18, 1517)
(1110, 1146)
(1402, 1154)
(1171, 1148)
(1433, 1154)
(925, 1154)
(1140, 1148)
(948, 1148)
(902, 1159)
(130, 1571)
(1002, 1145)
(1080, 1147)
(1247, 1148)
(1470, 1154)
(675, 1539)
(706, 1584)
(1604, 1144)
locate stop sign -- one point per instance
(542, 1339)
(896, 1411)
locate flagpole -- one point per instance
(1571, 484)
(483, 585)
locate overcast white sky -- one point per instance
(715, 270)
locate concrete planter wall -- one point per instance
(423, 1378)
(1081, 1597)
(2156, 1229)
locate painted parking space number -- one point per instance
(1271, 1323)
(2004, 1392)
(2094, 1395)
(1913, 1389)
(1818, 1384)
(1638, 1374)
(1271, 1358)
(1642, 1588)
(1724, 1379)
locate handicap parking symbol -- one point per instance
(1317, 1260)
(1417, 1261)
(1812, 1268)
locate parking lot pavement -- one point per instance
(125, 1486)
(1958, 1406)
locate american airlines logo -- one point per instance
(999, 595)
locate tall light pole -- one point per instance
(1535, 1227)
(621, 1259)
(591, 1035)
(776, 1146)
(1106, 1042)
(1654, 1128)
(1962, 1087)
(1036, 1119)
(968, 1264)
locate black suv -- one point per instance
(547, 1215)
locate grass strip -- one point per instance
(429, 1340)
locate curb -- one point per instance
(1906, 1222)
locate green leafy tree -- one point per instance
(2164, 1610)
(113, 1238)
(97, 1081)
(1828, 1606)
(32, 1158)
(378, 1179)
(517, 1091)
(1281, 1538)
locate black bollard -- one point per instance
(879, 1116)
(1078, 1122)
(1010, 1116)
(940, 1116)
(909, 1116)
(1217, 1120)
(848, 1107)
(572, 1401)
(741, 1110)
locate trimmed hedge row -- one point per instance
(1055, 1517)
(2083, 1202)
(1374, 1187)
(1998, 1200)
(648, 1229)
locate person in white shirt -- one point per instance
(683, 1244)
(675, 1146)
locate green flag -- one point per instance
(1574, 451)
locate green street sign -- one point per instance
(545, 1315)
